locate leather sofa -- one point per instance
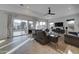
(41, 37)
(72, 40)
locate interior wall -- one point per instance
(3, 25)
(63, 19)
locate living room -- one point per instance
(54, 29)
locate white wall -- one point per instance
(3, 25)
(63, 19)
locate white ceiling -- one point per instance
(40, 10)
(60, 9)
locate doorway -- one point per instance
(20, 27)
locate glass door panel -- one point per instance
(19, 27)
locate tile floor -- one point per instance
(33, 47)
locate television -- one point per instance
(59, 24)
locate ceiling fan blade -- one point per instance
(49, 14)
(52, 13)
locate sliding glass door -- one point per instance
(20, 27)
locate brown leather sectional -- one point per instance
(41, 37)
(72, 40)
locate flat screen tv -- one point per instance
(59, 24)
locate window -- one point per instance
(40, 25)
(51, 25)
(19, 27)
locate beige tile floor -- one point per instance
(33, 47)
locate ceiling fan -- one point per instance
(22, 5)
(49, 12)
